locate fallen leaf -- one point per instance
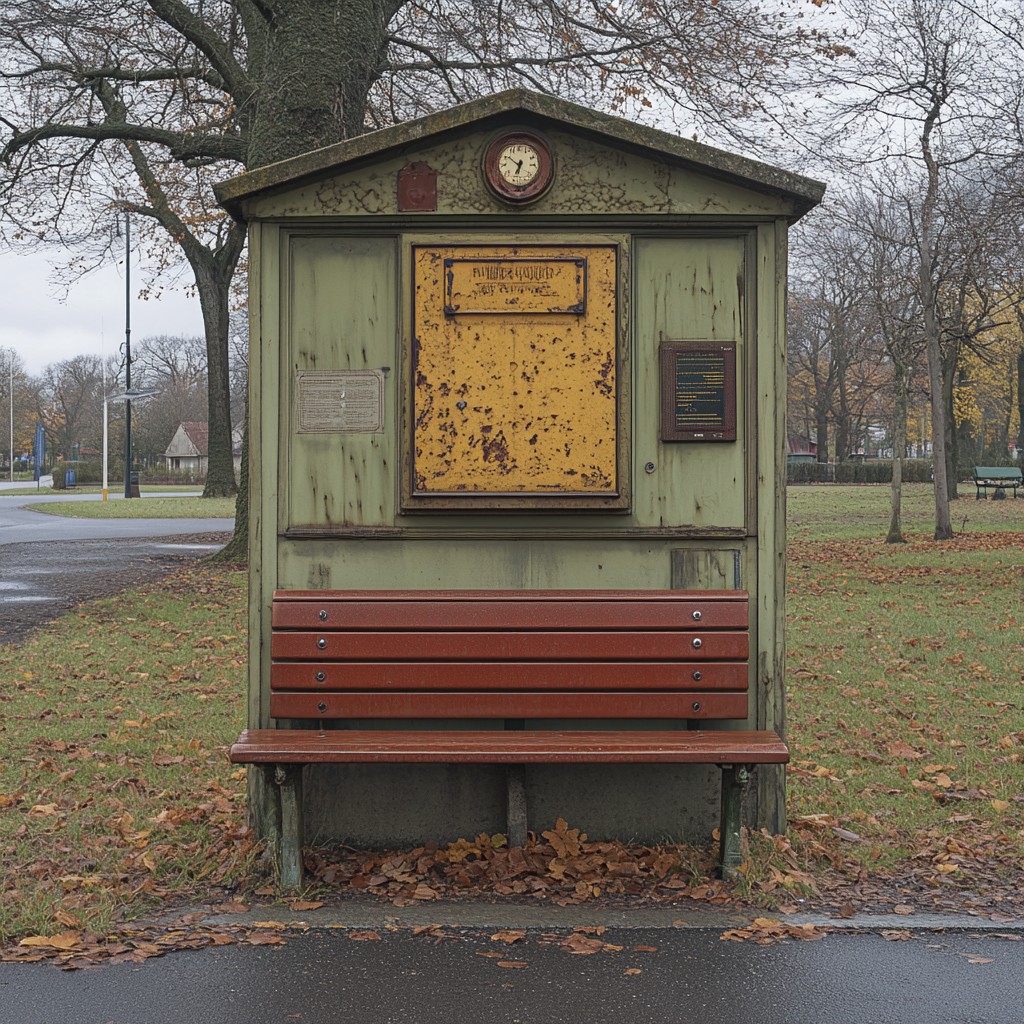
(364, 936)
(631, 971)
(903, 909)
(302, 905)
(514, 964)
(508, 935)
(63, 940)
(896, 936)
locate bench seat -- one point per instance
(492, 746)
(509, 659)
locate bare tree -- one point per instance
(137, 104)
(18, 402)
(885, 260)
(926, 85)
(70, 405)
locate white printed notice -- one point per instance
(339, 401)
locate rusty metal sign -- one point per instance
(509, 286)
(514, 390)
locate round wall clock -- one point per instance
(518, 167)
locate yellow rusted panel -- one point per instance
(514, 370)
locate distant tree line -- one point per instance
(67, 398)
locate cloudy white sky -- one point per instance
(43, 327)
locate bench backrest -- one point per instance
(997, 473)
(509, 654)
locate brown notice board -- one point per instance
(698, 391)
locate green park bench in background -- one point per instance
(998, 478)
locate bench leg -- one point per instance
(515, 807)
(289, 847)
(734, 779)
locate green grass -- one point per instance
(846, 511)
(904, 678)
(906, 722)
(115, 790)
(142, 508)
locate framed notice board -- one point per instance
(698, 391)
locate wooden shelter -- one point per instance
(520, 344)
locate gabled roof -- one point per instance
(198, 435)
(804, 193)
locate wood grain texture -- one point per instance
(300, 746)
(442, 704)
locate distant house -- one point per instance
(189, 450)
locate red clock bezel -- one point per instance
(518, 193)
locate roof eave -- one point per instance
(802, 192)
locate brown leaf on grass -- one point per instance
(63, 940)
(904, 750)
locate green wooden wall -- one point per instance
(699, 259)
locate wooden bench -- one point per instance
(507, 657)
(996, 477)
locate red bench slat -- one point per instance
(510, 676)
(513, 645)
(398, 704)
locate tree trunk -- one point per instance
(213, 283)
(821, 435)
(237, 549)
(952, 437)
(1020, 396)
(312, 64)
(899, 450)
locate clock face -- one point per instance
(519, 163)
(518, 166)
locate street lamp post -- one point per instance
(127, 355)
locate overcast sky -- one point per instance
(44, 328)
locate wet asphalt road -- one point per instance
(682, 976)
(49, 564)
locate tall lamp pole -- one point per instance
(12, 420)
(127, 355)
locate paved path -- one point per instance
(662, 976)
(19, 525)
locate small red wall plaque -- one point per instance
(417, 188)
